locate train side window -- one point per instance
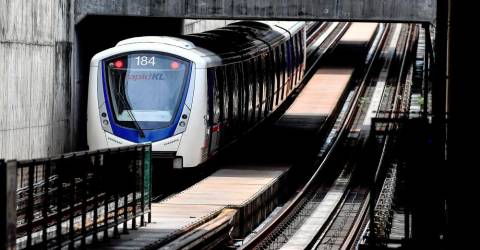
(291, 64)
(295, 61)
(214, 100)
(267, 81)
(223, 89)
(246, 91)
(271, 79)
(241, 92)
(259, 74)
(300, 57)
(254, 89)
(283, 66)
(278, 62)
(236, 94)
(302, 49)
(235, 83)
(264, 84)
(231, 82)
(289, 57)
(288, 71)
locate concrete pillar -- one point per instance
(35, 47)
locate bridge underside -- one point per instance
(364, 10)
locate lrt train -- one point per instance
(193, 94)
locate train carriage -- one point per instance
(191, 95)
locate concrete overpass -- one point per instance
(370, 10)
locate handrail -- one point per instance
(62, 200)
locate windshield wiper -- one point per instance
(128, 108)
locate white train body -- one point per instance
(187, 99)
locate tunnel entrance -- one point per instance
(97, 33)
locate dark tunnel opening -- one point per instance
(95, 34)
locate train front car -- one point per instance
(192, 96)
(142, 91)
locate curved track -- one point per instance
(343, 200)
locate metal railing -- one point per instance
(408, 134)
(76, 198)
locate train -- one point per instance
(191, 95)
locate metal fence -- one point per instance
(76, 198)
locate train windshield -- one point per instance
(146, 89)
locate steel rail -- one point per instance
(322, 233)
(361, 216)
(300, 197)
(359, 219)
(353, 236)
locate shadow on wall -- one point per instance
(97, 33)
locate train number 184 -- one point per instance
(145, 60)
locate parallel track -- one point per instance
(342, 228)
(349, 219)
(312, 190)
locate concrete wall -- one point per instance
(35, 56)
(371, 10)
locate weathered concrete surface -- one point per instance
(198, 25)
(35, 81)
(371, 10)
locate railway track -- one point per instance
(343, 201)
(343, 230)
(304, 204)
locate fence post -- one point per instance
(8, 210)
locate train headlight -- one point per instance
(178, 162)
(105, 122)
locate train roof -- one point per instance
(230, 43)
(242, 39)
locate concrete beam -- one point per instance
(360, 10)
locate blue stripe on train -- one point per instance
(132, 134)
